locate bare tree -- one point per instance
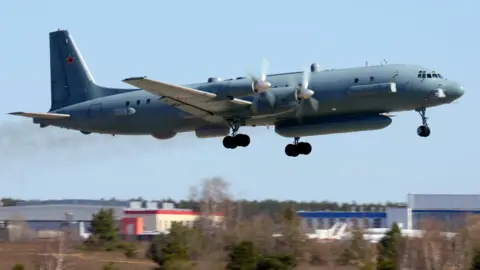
(331, 252)
(55, 252)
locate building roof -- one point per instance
(55, 212)
(142, 211)
(340, 214)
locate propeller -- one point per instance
(260, 84)
(305, 95)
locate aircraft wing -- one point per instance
(196, 102)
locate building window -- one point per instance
(377, 223)
(309, 223)
(331, 222)
(365, 223)
(354, 222)
(320, 223)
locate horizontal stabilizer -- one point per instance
(51, 116)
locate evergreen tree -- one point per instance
(277, 262)
(388, 248)
(475, 264)
(171, 251)
(103, 227)
(243, 256)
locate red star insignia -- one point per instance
(70, 59)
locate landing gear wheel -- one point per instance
(423, 131)
(291, 150)
(242, 140)
(235, 140)
(304, 148)
(229, 142)
(298, 148)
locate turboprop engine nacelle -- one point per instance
(237, 88)
(276, 101)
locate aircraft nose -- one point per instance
(454, 90)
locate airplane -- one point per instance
(298, 104)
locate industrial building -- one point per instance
(133, 218)
(451, 210)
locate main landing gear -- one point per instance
(235, 140)
(424, 129)
(298, 148)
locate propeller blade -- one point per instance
(299, 112)
(264, 69)
(270, 97)
(305, 79)
(260, 82)
(313, 103)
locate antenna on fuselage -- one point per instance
(366, 63)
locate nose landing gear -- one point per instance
(298, 148)
(424, 129)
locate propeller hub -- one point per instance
(305, 93)
(262, 86)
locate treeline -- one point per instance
(269, 207)
(260, 243)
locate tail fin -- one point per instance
(71, 82)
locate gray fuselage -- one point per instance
(339, 92)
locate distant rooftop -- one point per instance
(75, 202)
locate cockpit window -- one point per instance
(422, 74)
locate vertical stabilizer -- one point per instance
(71, 81)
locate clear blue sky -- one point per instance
(189, 41)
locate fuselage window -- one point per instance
(127, 103)
(356, 80)
(371, 78)
(148, 101)
(138, 102)
(434, 75)
(424, 75)
(419, 74)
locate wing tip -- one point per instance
(134, 79)
(16, 113)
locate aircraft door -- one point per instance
(95, 110)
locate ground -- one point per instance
(29, 253)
